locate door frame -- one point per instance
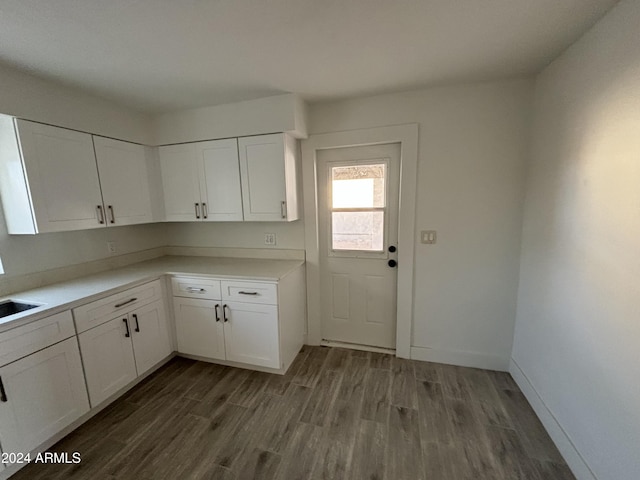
(407, 137)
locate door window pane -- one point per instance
(358, 186)
(357, 231)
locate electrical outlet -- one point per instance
(269, 238)
(428, 236)
(111, 246)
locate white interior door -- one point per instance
(358, 214)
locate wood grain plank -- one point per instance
(283, 419)
(404, 450)
(435, 425)
(249, 391)
(380, 360)
(428, 371)
(300, 458)
(377, 395)
(534, 437)
(260, 465)
(368, 461)
(322, 398)
(403, 387)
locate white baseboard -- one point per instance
(462, 359)
(566, 447)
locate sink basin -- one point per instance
(10, 307)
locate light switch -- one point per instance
(428, 236)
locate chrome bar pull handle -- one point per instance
(205, 212)
(283, 209)
(197, 210)
(113, 218)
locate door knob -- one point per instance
(392, 263)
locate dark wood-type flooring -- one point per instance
(337, 414)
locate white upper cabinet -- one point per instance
(201, 181)
(268, 172)
(124, 181)
(49, 179)
(219, 173)
(53, 179)
(180, 183)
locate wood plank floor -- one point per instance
(337, 414)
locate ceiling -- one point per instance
(162, 55)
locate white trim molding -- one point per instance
(407, 136)
(567, 449)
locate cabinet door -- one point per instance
(107, 354)
(150, 335)
(219, 172)
(124, 181)
(45, 392)
(63, 179)
(199, 329)
(180, 184)
(251, 334)
(267, 167)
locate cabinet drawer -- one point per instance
(95, 313)
(193, 287)
(30, 338)
(250, 292)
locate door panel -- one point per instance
(220, 180)
(63, 177)
(179, 182)
(150, 335)
(251, 334)
(108, 359)
(358, 214)
(197, 330)
(262, 163)
(45, 393)
(124, 181)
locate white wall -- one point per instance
(577, 336)
(279, 113)
(472, 152)
(235, 234)
(32, 98)
(35, 99)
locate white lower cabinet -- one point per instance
(41, 394)
(118, 351)
(249, 322)
(107, 353)
(150, 336)
(199, 328)
(251, 334)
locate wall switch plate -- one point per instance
(111, 246)
(269, 238)
(428, 236)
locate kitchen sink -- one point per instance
(10, 307)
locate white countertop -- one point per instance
(63, 296)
